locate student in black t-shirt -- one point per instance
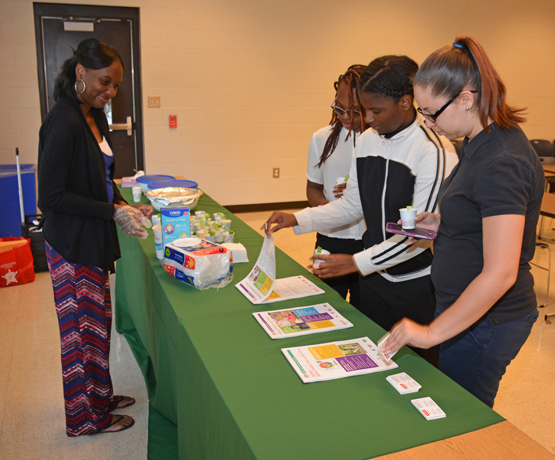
(489, 207)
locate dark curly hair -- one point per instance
(351, 78)
(390, 76)
(91, 54)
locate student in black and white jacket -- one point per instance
(399, 162)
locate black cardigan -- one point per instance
(72, 193)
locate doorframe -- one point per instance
(88, 12)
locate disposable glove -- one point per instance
(130, 220)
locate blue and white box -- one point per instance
(176, 223)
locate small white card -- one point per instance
(428, 408)
(403, 383)
(386, 356)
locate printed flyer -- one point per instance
(294, 287)
(336, 360)
(259, 283)
(293, 322)
(261, 286)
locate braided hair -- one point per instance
(350, 78)
(390, 76)
(91, 54)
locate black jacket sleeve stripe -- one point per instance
(440, 169)
(392, 248)
(392, 256)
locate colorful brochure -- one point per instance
(280, 324)
(261, 285)
(294, 287)
(336, 360)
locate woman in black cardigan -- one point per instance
(79, 202)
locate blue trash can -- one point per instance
(10, 223)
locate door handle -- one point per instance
(123, 126)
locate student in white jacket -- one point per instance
(397, 163)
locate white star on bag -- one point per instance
(10, 277)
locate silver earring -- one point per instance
(467, 108)
(84, 86)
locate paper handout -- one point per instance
(336, 360)
(261, 285)
(292, 322)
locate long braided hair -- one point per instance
(350, 78)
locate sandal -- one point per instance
(115, 420)
(118, 399)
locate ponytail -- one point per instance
(449, 70)
(91, 54)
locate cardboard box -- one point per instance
(176, 223)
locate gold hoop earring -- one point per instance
(84, 86)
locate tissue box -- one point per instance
(198, 262)
(176, 223)
(127, 182)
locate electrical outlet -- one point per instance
(154, 102)
(276, 173)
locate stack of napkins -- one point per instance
(403, 383)
(428, 408)
(238, 250)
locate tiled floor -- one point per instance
(31, 402)
(32, 421)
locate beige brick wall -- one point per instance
(250, 80)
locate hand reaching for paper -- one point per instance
(130, 220)
(334, 265)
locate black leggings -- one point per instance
(343, 284)
(386, 303)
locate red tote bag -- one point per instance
(16, 261)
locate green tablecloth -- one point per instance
(220, 388)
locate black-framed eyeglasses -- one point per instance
(340, 111)
(433, 116)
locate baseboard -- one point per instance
(267, 206)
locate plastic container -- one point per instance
(172, 183)
(10, 223)
(147, 179)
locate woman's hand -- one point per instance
(408, 332)
(339, 189)
(425, 220)
(131, 220)
(428, 220)
(146, 209)
(334, 265)
(281, 220)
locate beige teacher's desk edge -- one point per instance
(502, 441)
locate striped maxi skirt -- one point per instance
(84, 308)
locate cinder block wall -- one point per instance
(250, 80)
